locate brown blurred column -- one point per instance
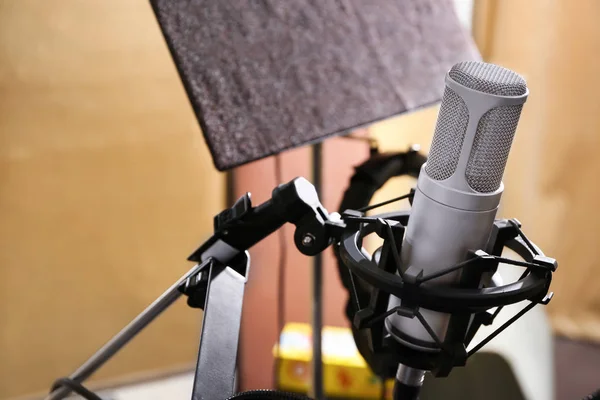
(259, 326)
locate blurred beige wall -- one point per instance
(554, 168)
(106, 186)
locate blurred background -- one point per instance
(106, 186)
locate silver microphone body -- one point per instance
(459, 188)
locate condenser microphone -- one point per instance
(458, 190)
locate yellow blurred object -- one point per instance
(345, 372)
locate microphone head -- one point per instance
(476, 125)
(488, 78)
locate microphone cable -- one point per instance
(281, 269)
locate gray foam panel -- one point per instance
(264, 76)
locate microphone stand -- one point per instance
(216, 284)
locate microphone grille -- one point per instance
(491, 145)
(488, 78)
(495, 130)
(448, 137)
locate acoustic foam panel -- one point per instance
(264, 76)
